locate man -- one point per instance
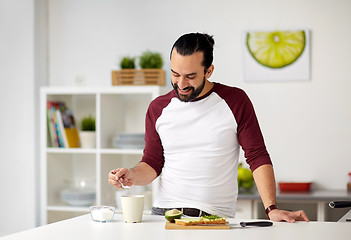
(192, 141)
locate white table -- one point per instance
(153, 227)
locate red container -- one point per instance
(294, 186)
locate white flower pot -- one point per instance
(87, 139)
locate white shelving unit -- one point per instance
(119, 109)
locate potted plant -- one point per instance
(150, 60)
(127, 73)
(127, 63)
(87, 133)
(151, 72)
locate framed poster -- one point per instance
(276, 55)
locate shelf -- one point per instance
(66, 208)
(121, 151)
(82, 209)
(71, 150)
(94, 151)
(117, 110)
(101, 90)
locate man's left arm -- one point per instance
(265, 182)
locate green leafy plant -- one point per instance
(88, 124)
(127, 63)
(150, 59)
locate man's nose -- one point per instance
(182, 82)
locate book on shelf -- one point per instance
(63, 132)
(55, 135)
(70, 129)
(53, 140)
(61, 128)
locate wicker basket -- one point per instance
(138, 77)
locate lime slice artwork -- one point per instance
(276, 49)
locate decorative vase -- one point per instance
(87, 139)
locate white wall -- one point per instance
(17, 128)
(305, 124)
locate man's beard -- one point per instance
(195, 92)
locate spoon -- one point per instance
(123, 186)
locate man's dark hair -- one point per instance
(196, 42)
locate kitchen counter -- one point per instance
(319, 198)
(316, 195)
(153, 227)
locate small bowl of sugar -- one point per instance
(102, 213)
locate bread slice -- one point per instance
(213, 219)
(188, 221)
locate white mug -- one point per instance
(118, 194)
(132, 208)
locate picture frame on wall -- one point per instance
(278, 55)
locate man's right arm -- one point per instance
(152, 161)
(143, 173)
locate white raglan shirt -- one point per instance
(200, 150)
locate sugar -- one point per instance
(102, 215)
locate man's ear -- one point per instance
(209, 72)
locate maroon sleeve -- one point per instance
(249, 133)
(153, 151)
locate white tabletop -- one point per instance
(153, 227)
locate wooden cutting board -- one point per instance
(201, 226)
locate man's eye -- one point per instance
(191, 77)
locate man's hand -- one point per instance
(291, 217)
(122, 174)
(141, 174)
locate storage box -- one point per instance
(138, 77)
(294, 186)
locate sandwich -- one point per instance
(213, 219)
(209, 219)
